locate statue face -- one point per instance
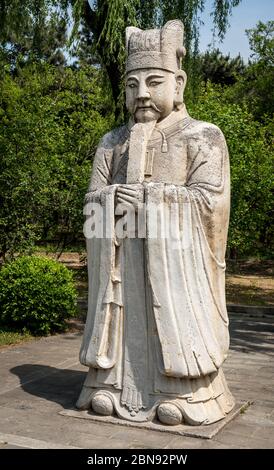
(150, 94)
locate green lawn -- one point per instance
(7, 337)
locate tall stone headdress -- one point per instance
(155, 48)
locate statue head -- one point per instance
(154, 81)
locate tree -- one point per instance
(33, 30)
(221, 69)
(107, 20)
(255, 88)
(38, 30)
(251, 158)
(261, 42)
(50, 124)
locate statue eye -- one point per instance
(131, 85)
(154, 83)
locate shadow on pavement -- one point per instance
(249, 334)
(63, 386)
(57, 385)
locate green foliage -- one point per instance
(261, 41)
(245, 113)
(252, 157)
(50, 123)
(52, 117)
(42, 30)
(36, 294)
(8, 336)
(221, 69)
(255, 87)
(107, 20)
(33, 30)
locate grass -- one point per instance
(9, 336)
(241, 288)
(54, 248)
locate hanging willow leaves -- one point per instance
(33, 30)
(107, 20)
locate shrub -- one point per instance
(36, 294)
(251, 159)
(50, 123)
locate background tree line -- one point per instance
(61, 89)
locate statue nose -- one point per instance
(143, 92)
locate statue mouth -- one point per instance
(147, 108)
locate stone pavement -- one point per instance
(41, 378)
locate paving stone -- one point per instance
(157, 440)
(10, 446)
(91, 442)
(185, 443)
(41, 378)
(243, 441)
(264, 433)
(241, 428)
(258, 418)
(212, 444)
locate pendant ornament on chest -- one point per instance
(150, 154)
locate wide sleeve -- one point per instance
(186, 265)
(208, 183)
(104, 318)
(102, 165)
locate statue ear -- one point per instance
(181, 79)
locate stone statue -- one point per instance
(156, 333)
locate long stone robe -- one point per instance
(157, 326)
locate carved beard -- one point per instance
(152, 105)
(146, 112)
(139, 136)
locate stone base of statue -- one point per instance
(201, 432)
(208, 401)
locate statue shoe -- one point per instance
(101, 403)
(168, 413)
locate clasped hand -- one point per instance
(130, 194)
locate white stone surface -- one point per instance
(157, 327)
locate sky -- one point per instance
(245, 16)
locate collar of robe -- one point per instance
(165, 124)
